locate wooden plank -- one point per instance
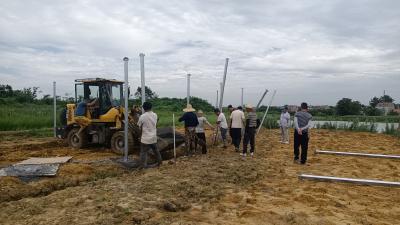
(38, 161)
(349, 180)
(357, 154)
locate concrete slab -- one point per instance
(50, 160)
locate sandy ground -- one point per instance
(219, 188)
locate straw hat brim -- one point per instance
(189, 110)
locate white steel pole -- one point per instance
(266, 112)
(262, 98)
(173, 125)
(220, 96)
(349, 180)
(216, 103)
(143, 86)
(221, 101)
(126, 59)
(241, 103)
(54, 108)
(357, 154)
(188, 90)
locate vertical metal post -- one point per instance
(126, 59)
(262, 98)
(216, 103)
(143, 86)
(188, 90)
(221, 101)
(266, 112)
(54, 109)
(241, 103)
(173, 125)
(220, 93)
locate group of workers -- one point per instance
(240, 124)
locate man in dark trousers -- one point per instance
(302, 123)
(148, 125)
(236, 125)
(191, 122)
(252, 123)
(230, 109)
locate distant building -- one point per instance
(292, 108)
(386, 107)
(319, 107)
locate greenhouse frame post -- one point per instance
(216, 102)
(221, 101)
(188, 90)
(126, 147)
(266, 111)
(241, 102)
(262, 98)
(173, 125)
(54, 109)
(142, 76)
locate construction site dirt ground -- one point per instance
(218, 188)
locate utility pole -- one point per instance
(126, 59)
(188, 90)
(143, 86)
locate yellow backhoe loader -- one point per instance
(97, 117)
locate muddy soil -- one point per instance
(218, 188)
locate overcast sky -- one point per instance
(314, 51)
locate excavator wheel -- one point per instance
(118, 143)
(76, 140)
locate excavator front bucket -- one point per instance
(165, 139)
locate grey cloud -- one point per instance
(294, 46)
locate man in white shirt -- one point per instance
(284, 124)
(222, 124)
(237, 121)
(148, 124)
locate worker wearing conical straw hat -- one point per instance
(191, 122)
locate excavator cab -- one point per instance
(99, 95)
